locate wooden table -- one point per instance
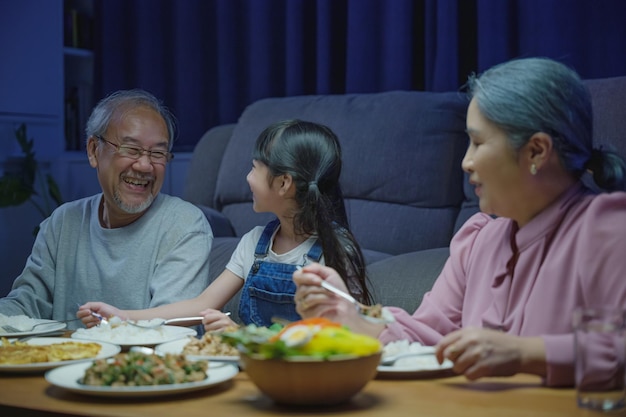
(30, 395)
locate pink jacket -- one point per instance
(572, 254)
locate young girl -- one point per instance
(295, 175)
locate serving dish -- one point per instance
(106, 351)
(67, 377)
(177, 346)
(127, 336)
(307, 381)
(309, 362)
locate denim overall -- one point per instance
(269, 289)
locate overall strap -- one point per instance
(315, 253)
(265, 241)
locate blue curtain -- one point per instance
(208, 59)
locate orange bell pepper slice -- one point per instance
(313, 321)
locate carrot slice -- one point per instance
(313, 321)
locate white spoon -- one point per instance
(155, 323)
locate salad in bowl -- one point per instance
(307, 362)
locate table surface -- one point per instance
(522, 395)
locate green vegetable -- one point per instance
(316, 338)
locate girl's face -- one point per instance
(492, 165)
(264, 194)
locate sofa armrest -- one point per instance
(221, 252)
(219, 223)
(205, 165)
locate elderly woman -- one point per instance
(503, 303)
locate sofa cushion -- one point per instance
(402, 152)
(403, 280)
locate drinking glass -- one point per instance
(600, 348)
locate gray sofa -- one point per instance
(405, 192)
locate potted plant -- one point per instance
(23, 181)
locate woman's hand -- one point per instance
(478, 352)
(314, 301)
(105, 310)
(215, 320)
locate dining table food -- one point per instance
(68, 378)
(120, 332)
(374, 311)
(19, 353)
(140, 369)
(210, 344)
(22, 325)
(307, 362)
(315, 338)
(414, 361)
(20, 322)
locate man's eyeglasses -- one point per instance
(135, 152)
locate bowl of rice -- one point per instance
(121, 333)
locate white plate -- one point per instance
(67, 377)
(422, 366)
(177, 346)
(140, 337)
(107, 350)
(425, 366)
(50, 326)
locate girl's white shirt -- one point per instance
(242, 258)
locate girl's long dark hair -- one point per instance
(311, 154)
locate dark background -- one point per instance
(208, 59)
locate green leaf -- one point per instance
(53, 190)
(27, 164)
(22, 139)
(17, 185)
(13, 192)
(254, 339)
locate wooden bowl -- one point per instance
(307, 381)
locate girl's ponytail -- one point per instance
(311, 154)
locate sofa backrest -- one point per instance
(402, 152)
(402, 179)
(608, 97)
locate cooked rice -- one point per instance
(120, 332)
(20, 322)
(414, 362)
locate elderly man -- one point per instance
(129, 245)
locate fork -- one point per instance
(362, 308)
(10, 329)
(100, 317)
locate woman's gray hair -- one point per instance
(526, 96)
(104, 111)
